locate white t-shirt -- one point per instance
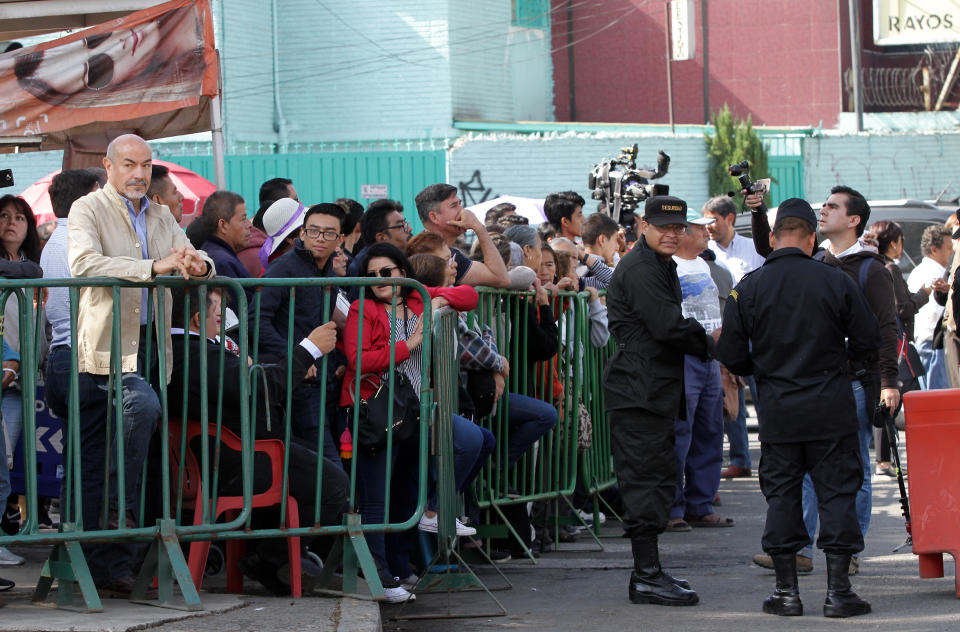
(740, 256)
(926, 319)
(700, 298)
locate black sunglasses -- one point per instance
(385, 272)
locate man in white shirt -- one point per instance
(738, 254)
(937, 248)
(698, 445)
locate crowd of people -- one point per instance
(675, 385)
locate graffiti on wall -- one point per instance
(473, 191)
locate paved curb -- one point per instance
(357, 615)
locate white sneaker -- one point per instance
(430, 526)
(588, 517)
(398, 595)
(9, 558)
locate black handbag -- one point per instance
(373, 425)
(910, 367)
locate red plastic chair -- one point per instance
(230, 506)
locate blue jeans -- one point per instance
(305, 419)
(530, 419)
(472, 445)
(935, 366)
(865, 495)
(372, 491)
(699, 439)
(140, 408)
(12, 410)
(736, 431)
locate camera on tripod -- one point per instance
(741, 171)
(622, 186)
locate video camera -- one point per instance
(6, 178)
(622, 186)
(741, 171)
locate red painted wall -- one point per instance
(777, 60)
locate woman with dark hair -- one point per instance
(18, 230)
(888, 237)
(370, 354)
(21, 247)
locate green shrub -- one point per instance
(734, 140)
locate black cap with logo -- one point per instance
(664, 210)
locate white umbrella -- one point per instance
(531, 208)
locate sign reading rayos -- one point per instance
(897, 23)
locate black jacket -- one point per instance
(907, 304)
(652, 336)
(878, 290)
(227, 264)
(793, 323)
(275, 390)
(296, 263)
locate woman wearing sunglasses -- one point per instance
(386, 261)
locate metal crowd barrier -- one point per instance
(547, 471)
(165, 562)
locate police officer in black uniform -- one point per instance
(794, 323)
(643, 383)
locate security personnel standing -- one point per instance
(795, 323)
(643, 383)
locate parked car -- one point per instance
(912, 215)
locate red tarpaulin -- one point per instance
(194, 187)
(152, 73)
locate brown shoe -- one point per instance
(122, 589)
(678, 525)
(713, 520)
(804, 563)
(734, 471)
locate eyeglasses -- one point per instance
(676, 229)
(405, 225)
(328, 235)
(385, 272)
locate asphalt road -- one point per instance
(580, 588)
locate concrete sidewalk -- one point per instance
(580, 589)
(222, 612)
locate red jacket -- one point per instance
(376, 334)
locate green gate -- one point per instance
(328, 176)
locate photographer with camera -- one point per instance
(810, 424)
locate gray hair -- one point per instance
(523, 236)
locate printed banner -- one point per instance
(120, 74)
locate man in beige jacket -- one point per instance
(118, 232)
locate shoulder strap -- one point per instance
(862, 275)
(864, 271)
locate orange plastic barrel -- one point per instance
(933, 455)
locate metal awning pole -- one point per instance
(216, 129)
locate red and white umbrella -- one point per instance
(194, 187)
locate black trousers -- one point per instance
(836, 469)
(642, 446)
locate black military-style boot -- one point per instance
(841, 600)
(785, 600)
(648, 582)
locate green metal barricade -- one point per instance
(197, 489)
(164, 557)
(544, 345)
